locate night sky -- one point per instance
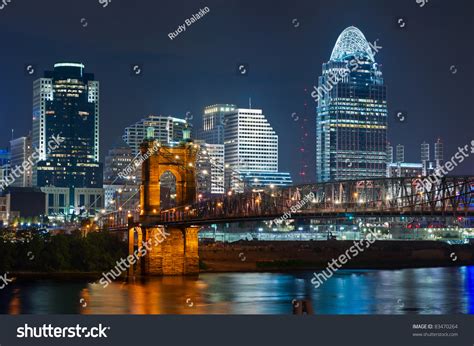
(284, 55)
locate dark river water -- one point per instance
(406, 291)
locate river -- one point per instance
(448, 290)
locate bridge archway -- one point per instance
(168, 184)
(180, 162)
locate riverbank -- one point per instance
(246, 256)
(283, 256)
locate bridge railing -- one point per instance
(453, 195)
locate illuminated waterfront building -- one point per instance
(351, 123)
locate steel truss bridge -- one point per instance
(386, 197)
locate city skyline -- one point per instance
(237, 158)
(188, 95)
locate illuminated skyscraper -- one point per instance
(351, 123)
(251, 151)
(66, 104)
(212, 131)
(166, 129)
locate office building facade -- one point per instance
(251, 147)
(166, 130)
(400, 153)
(351, 123)
(21, 151)
(5, 179)
(66, 104)
(210, 169)
(213, 123)
(118, 163)
(438, 153)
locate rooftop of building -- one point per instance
(351, 42)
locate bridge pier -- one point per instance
(168, 250)
(191, 254)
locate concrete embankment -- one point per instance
(309, 255)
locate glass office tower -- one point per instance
(66, 104)
(351, 123)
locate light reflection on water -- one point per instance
(407, 291)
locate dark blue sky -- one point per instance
(199, 66)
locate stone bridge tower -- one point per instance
(170, 250)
